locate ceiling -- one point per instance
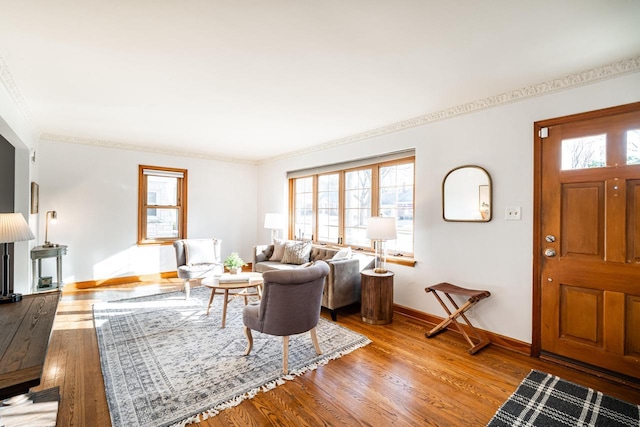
(250, 80)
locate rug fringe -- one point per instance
(209, 413)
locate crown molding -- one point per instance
(136, 147)
(16, 96)
(594, 75)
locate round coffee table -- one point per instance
(232, 286)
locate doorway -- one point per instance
(586, 288)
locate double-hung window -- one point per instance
(331, 205)
(162, 204)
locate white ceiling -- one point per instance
(255, 79)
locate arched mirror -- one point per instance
(466, 195)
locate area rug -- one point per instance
(165, 362)
(543, 399)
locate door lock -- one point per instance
(549, 252)
(550, 238)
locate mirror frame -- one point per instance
(444, 181)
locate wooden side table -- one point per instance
(377, 297)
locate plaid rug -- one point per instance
(546, 400)
(165, 362)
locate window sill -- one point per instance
(407, 261)
(156, 242)
(401, 260)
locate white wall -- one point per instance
(95, 192)
(22, 135)
(496, 256)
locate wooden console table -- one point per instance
(26, 328)
(377, 297)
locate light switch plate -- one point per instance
(512, 213)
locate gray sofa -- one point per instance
(342, 285)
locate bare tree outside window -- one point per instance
(583, 153)
(633, 147)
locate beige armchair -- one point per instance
(290, 305)
(197, 259)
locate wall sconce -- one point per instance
(54, 216)
(380, 229)
(273, 221)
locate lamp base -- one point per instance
(380, 270)
(4, 299)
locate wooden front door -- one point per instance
(588, 240)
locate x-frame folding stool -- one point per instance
(474, 297)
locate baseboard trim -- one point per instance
(121, 280)
(496, 339)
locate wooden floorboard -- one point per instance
(400, 379)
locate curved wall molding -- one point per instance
(16, 96)
(594, 75)
(136, 147)
(617, 69)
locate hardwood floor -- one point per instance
(400, 379)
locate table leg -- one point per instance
(224, 306)
(213, 294)
(59, 270)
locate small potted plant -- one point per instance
(234, 263)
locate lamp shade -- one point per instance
(273, 221)
(14, 228)
(381, 228)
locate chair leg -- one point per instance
(187, 288)
(314, 338)
(247, 333)
(285, 355)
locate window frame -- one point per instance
(181, 204)
(374, 200)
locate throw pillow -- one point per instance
(267, 252)
(344, 253)
(296, 253)
(278, 249)
(200, 251)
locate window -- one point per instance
(584, 153)
(633, 147)
(328, 207)
(333, 206)
(162, 204)
(303, 190)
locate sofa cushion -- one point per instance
(344, 253)
(263, 266)
(296, 253)
(200, 251)
(278, 249)
(196, 271)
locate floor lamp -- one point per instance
(13, 228)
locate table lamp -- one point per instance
(379, 230)
(13, 228)
(273, 221)
(54, 216)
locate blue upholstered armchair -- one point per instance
(290, 305)
(197, 259)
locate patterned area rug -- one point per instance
(546, 400)
(165, 362)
